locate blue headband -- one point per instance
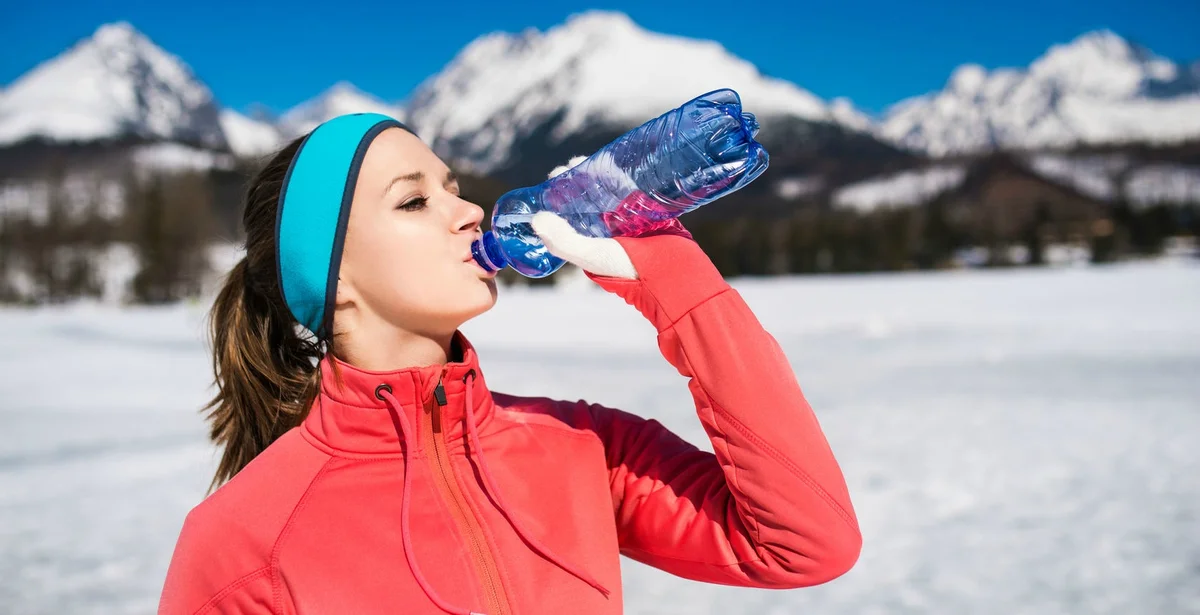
(314, 206)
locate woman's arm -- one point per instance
(770, 508)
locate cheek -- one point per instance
(414, 275)
(410, 274)
(406, 270)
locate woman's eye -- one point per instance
(416, 204)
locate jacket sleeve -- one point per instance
(770, 508)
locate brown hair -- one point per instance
(265, 365)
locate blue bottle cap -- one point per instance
(487, 253)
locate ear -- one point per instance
(346, 295)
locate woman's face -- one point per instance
(407, 260)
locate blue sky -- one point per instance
(875, 52)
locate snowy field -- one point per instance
(1015, 441)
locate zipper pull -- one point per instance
(439, 393)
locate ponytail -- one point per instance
(265, 367)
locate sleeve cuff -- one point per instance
(674, 276)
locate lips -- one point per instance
(470, 260)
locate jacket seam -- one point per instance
(674, 322)
(753, 518)
(770, 450)
(655, 554)
(790, 465)
(585, 434)
(750, 512)
(729, 449)
(338, 453)
(230, 589)
(273, 566)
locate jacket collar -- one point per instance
(346, 415)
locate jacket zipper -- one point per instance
(434, 434)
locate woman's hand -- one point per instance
(597, 255)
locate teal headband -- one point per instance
(314, 207)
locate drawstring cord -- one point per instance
(490, 486)
(384, 391)
(410, 443)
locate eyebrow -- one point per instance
(417, 177)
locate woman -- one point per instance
(367, 468)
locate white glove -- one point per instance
(598, 255)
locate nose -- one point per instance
(469, 216)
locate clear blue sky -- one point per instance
(875, 52)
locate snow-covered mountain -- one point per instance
(338, 100)
(115, 83)
(516, 104)
(118, 83)
(1099, 88)
(599, 68)
(249, 137)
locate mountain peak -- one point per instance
(967, 79)
(339, 99)
(1104, 64)
(598, 70)
(1097, 88)
(116, 83)
(846, 113)
(343, 88)
(249, 136)
(599, 20)
(1103, 41)
(117, 33)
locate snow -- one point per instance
(843, 111)
(178, 157)
(1163, 184)
(81, 193)
(1094, 176)
(791, 188)
(118, 83)
(1014, 441)
(602, 68)
(340, 99)
(116, 264)
(115, 83)
(899, 189)
(1100, 176)
(1171, 120)
(598, 67)
(1102, 64)
(1097, 89)
(249, 137)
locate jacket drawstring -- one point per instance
(409, 444)
(490, 486)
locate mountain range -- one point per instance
(587, 75)
(512, 105)
(1100, 88)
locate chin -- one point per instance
(481, 299)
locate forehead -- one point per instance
(395, 152)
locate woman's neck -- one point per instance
(400, 350)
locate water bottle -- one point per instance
(681, 160)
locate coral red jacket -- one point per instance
(421, 492)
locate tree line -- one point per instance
(62, 238)
(61, 245)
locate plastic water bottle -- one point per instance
(662, 169)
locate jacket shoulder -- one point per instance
(575, 415)
(228, 538)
